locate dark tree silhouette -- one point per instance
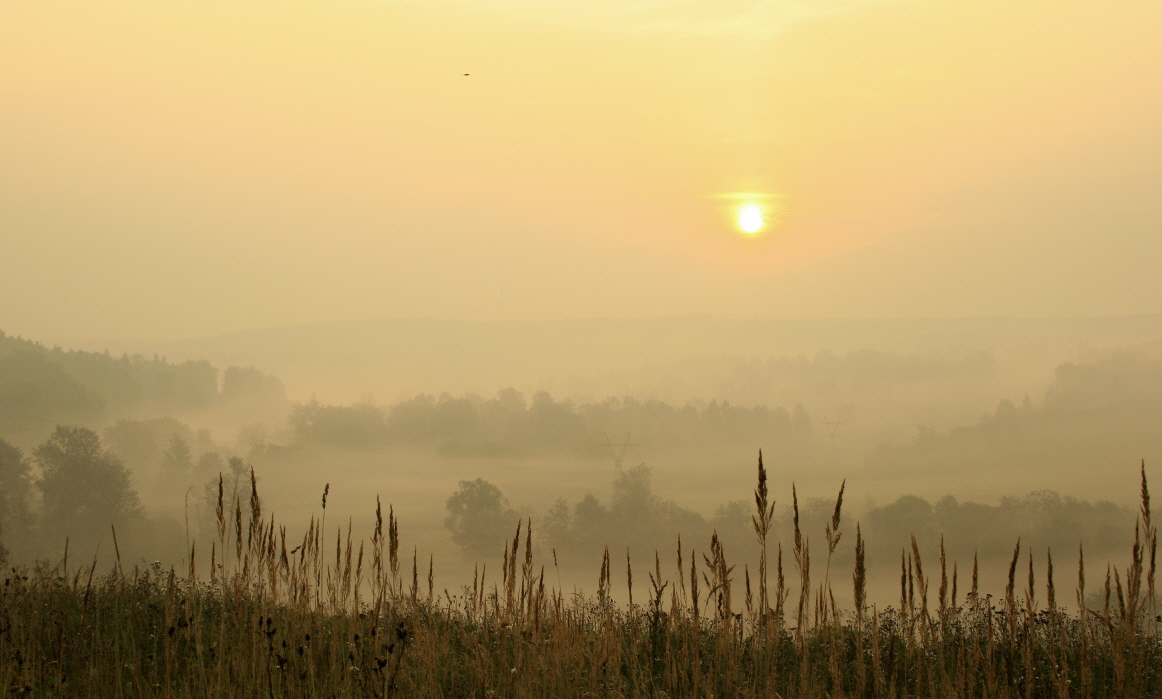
(84, 486)
(479, 517)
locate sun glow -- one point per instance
(750, 212)
(751, 219)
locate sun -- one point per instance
(752, 212)
(751, 219)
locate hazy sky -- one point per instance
(186, 168)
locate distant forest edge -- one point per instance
(41, 387)
(1105, 412)
(510, 425)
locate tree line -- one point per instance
(40, 386)
(480, 519)
(511, 425)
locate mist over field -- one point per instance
(977, 431)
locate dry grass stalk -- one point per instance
(629, 576)
(859, 578)
(802, 555)
(1050, 592)
(764, 515)
(943, 594)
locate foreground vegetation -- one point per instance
(293, 618)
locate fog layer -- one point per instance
(1055, 466)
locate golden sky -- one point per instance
(186, 168)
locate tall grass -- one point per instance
(329, 614)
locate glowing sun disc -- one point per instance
(750, 219)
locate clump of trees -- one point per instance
(481, 519)
(511, 425)
(1043, 519)
(73, 489)
(635, 517)
(82, 484)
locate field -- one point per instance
(329, 615)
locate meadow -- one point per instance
(329, 614)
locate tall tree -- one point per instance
(84, 486)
